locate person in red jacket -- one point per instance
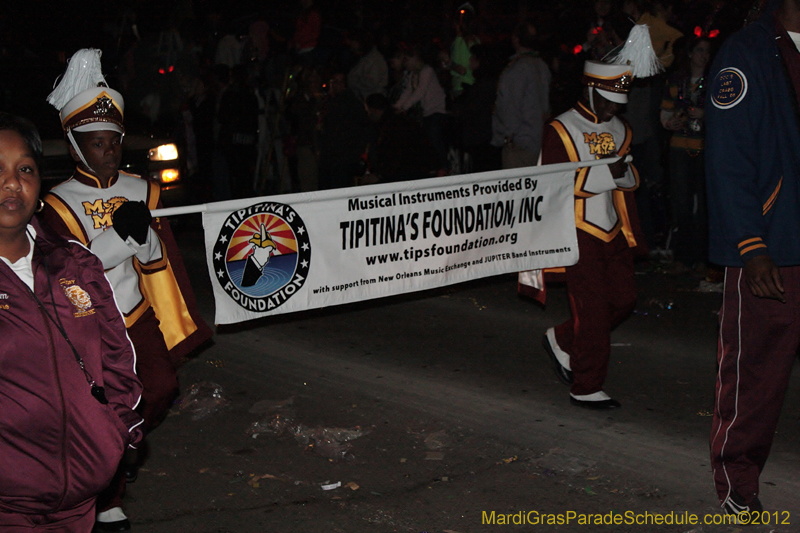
(68, 388)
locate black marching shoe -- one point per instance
(130, 462)
(599, 401)
(737, 506)
(118, 526)
(131, 473)
(562, 373)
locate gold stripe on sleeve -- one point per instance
(68, 217)
(751, 248)
(750, 241)
(774, 196)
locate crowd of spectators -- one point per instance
(300, 96)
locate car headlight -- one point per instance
(168, 175)
(165, 152)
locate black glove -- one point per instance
(132, 219)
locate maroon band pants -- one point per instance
(602, 293)
(757, 347)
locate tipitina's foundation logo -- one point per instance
(262, 255)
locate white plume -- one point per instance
(638, 53)
(84, 71)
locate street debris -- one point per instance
(557, 459)
(330, 442)
(331, 486)
(333, 443)
(660, 304)
(437, 440)
(254, 479)
(476, 304)
(508, 460)
(203, 399)
(710, 286)
(269, 406)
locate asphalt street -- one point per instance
(452, 414)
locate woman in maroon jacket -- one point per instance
(67, 381)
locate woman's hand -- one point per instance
(677, 122)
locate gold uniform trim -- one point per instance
(162, 291)
(596, 231)
(136, 313)
(159, 286)
(623, 219)
(569, 144)
(155, 266)
(66, 214)
(92, 177)
(153, 195)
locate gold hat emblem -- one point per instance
(103, 106)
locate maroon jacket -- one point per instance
(59, 445)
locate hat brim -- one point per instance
(100, 126)
(619, 98)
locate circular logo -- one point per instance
(729, 88)
(262, 255)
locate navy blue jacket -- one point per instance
(753, 151)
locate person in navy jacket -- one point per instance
(753, 179)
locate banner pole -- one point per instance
(183, 210)
(509, 173)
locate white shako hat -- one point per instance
(98, 108)
(613, 82)
(612, 77)
(84, 100)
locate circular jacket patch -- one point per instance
(262, 255)
(729, 88)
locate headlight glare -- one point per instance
(165, 152)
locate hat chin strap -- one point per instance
(591, 100)
(74, 144)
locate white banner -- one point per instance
(301, 251)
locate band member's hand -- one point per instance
(618, 168)
(676, 124)
(132, 219)
(763, 278)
